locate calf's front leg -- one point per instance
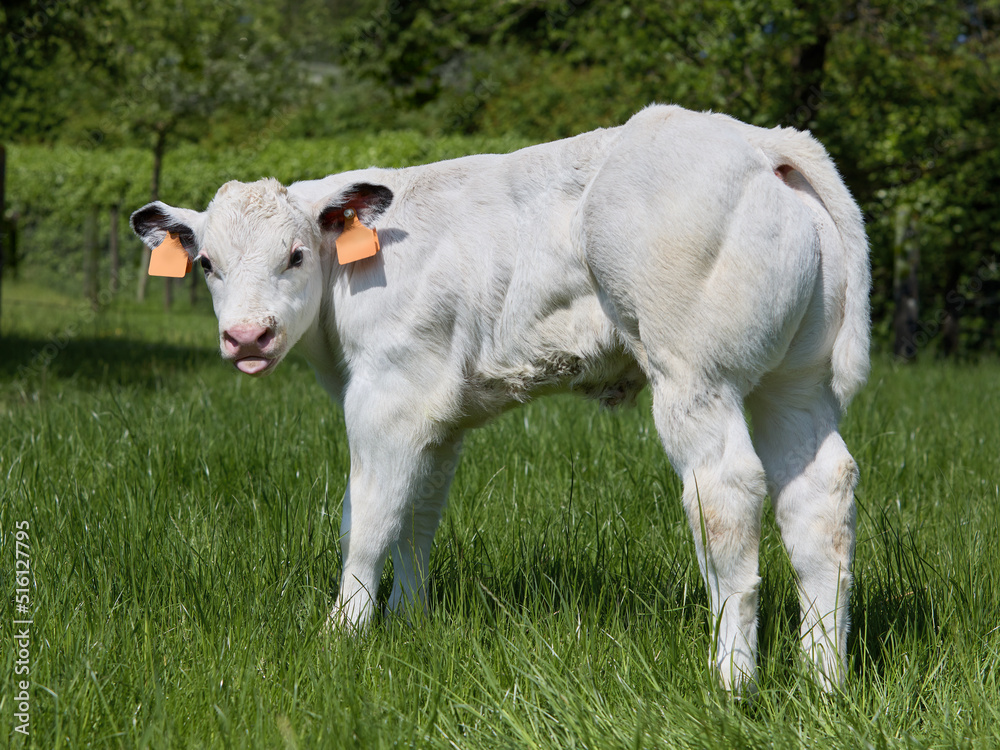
(411, 553)
(395, 494)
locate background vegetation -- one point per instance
(101, 97)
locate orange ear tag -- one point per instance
(169, 258)
(357, 241)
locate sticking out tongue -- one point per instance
(253, 365)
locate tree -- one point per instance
(172, 72)
(3, 211)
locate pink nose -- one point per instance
(247, 339)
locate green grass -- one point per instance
(184, 524)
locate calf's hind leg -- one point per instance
(811, 477)
(705, 436)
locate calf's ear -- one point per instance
(368, 202)
(154, 221)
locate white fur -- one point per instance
(667, 251)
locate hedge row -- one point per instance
(51, 188)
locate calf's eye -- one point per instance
(206, 264)
(296, 260)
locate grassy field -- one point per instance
(183, 540)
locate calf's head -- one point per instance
(260, 248)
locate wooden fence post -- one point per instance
(3, 210)
(195, 281)
(91, 256)
(113, 249)
(905, 289)
(143, 277)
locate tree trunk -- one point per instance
(3, 213)
(159, 147)
(113, 249)
(808, 66)
(91, 257)
(140, 294)
(951, 328)
(906, 259)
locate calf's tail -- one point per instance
(787, 147)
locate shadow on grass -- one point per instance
(29, 363)
(778, 620)
(891, 602)
(891, 606)
(555, 574)
(884, 620)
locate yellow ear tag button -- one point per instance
(169, 258)
(357, 241)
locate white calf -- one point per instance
(718, 262)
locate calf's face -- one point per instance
(261, 250)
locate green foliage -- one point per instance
(184, 538)
(187, 64)
(917, 88)
(903, 95)
(33, 61)
(599, 60)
